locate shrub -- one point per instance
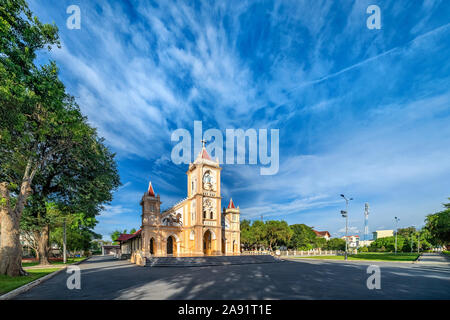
(363, 249)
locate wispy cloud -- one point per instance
(360, 111)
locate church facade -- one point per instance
(196, 226)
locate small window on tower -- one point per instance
(204, 214)
(211, 215)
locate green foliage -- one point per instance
(438, 227)
(303, 237)
(277, 232)
(406, 232)
(78, 234)
(44, 138)
(261, 235)
(363, 249)
(388, 244)
(115, 234)
(335, 244)
(247, 236)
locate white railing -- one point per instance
(297, 253)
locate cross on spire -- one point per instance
(203, 142)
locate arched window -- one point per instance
(211, 215)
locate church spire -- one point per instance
(150, 190)
(231, 204)
(204, 154)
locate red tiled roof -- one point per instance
(231, 204)
(125, 237)
(150, 190)
(205, 154)
(321, 233)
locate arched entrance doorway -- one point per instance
(152, 246)
(171, 245)
(234, 246)
(207, 243)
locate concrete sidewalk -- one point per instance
(433, 258)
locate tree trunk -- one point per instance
(43, 245)
(10, 246)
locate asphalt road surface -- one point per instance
(108, 278)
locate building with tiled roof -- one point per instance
(323, 234)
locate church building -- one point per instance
(195, 226)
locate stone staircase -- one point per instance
(208, 261)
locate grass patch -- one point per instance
(8, 283)
(57, 262)
(447, 253)
(389, 256)
(379, 256)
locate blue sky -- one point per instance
(361, 112)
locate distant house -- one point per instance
(353, 241)
(323, 234)
(130, 242)
(108, 249)
(382, 234)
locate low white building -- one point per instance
(353, 241)
(382, 234)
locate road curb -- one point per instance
(12, 294)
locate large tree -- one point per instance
(438, 226)
(25, 119)
(303, 237)
(41, 127)
(277, 232)
(79, 180)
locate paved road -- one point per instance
(107, 278)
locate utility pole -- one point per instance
(64, 242)
(418, 243)
(396, 228)
(345, 215)
(366, 222)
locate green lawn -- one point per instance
(69, 261)
(10, 283)
(447, 253)
(381, 256)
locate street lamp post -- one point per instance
(396, 228)
(418, 242)
(64, 243)
(345, 215)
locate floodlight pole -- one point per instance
(396, 229)
(346, 225)
(64, 243)
(418, 242)
(346, 232)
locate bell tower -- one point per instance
(151, 205)
(232, 229)
(204, 194)
(151, 219)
